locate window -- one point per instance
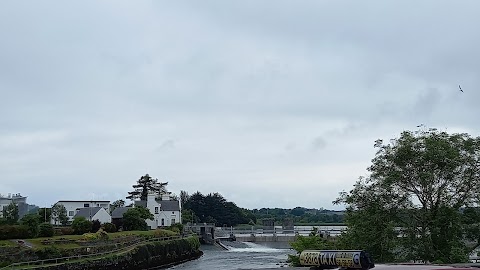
(98, 204)
(173, 221)
(86, 205)
(173, 213)
(156, 209)
(71, 213)
(163, 222)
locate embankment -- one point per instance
(142, 256)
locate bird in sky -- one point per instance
(459, 87)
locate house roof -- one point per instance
(169, 205)
(87, 211)
(119, 211)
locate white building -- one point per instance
(166, 211)
(73, 207)
(94, 213)
(19, 200)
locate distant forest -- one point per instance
(214, 208)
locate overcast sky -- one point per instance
(269, 103)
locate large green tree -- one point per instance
(32, 221)
(214, 208)
(418, 183)
(134, 219)
(59, 214)
(144, 185)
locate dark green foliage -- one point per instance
(214, 208)
(45, 214)
(32, 221)
(419, 182)
(134, 219)
(299, 215)
(48, 252)
(109, 227)
(96, 225)
(10, 213)
(81, 225)
(14, 232)
(145, 184)
(45, 230)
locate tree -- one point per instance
(10, 213)
(184, 197)
(419, 183)
(46, 230)
(145, 185)
(59, 214)
(81, 225)
(45, 214)
(116, 204)
(32, 221)
(96, 225)
(134, 219)
(214, 208)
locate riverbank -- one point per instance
(138, 251)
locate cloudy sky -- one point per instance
(270, 103)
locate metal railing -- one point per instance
(62, 260)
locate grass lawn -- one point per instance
(7, 243)
(37, 242)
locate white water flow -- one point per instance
(241, 255)
(252, 247)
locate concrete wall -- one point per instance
(266, 238)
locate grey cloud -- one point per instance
(88, 89)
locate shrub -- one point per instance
(45, 230)
(14, 232)
(63, 231)
(32, 221)
(95, 226)
(109, 227)
(81, 225)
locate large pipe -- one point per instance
(330, 259)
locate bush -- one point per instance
(109, 227)
(81, 225)
(32, 221)
(14, 232)
(58, 231)
(95, 226)
(45, 230)
(99, 235)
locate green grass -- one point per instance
(37, 242)
(7, 243)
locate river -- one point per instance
(240, 256)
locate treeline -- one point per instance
(299, 215)
(214, 208)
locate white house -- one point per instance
(166, 211)
(94, 213)
(73, 207)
